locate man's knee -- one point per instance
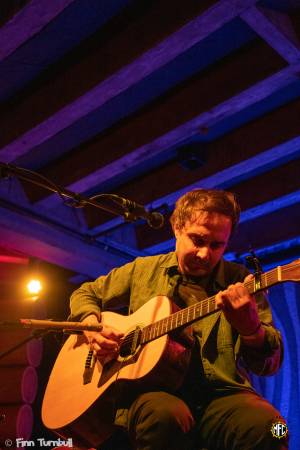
(240, 421)
(158, 415)
(255, 427)
(162, 408)
(261, 424)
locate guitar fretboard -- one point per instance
(208, 306)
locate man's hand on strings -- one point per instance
(105, 344)
(239, 308)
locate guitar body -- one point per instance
(80, 403)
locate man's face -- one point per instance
(200, 244)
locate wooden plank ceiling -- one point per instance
(147, 100)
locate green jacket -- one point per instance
(226, 360)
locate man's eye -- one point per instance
(216, 246)
(197, 242)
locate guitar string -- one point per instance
(184, 314)
(166, 324)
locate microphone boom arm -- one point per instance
(133, 210)
(50, 325)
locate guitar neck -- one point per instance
(208, 306)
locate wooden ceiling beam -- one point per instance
(264, 230)
(8, 259)
(68, 221)
(279, 182)
(276, 29)
(38, 238)
(150, 61)
(29, 21)
(179, 118)
(126, 36)
(262, 195)
(256, 146)
(25, 72)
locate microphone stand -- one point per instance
(35, 335)
(43, 327)
(130, 210)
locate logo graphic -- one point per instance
(279, 429)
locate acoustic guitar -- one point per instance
(79, 400)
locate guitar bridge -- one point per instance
(89, 367)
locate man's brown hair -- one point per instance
(209, 200)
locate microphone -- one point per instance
(50, 325)
(134, 211)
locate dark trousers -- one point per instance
(239, 421)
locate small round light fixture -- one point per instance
(34, 287)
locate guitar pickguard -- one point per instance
(113, 367)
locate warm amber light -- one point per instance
(34, 286)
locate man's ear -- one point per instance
(176, 231)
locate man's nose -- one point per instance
(203, 252)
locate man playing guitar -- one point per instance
(216, 407)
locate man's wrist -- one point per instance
(255, 339)
(255, 331)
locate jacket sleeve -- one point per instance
(111, 291)
(267, 359)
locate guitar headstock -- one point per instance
(291, 271)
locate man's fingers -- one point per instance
(111, 333)
(105, 343)
(102, 342)
(219, 300)
(249, 277)
(102, 352)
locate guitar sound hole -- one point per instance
(130, 343)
